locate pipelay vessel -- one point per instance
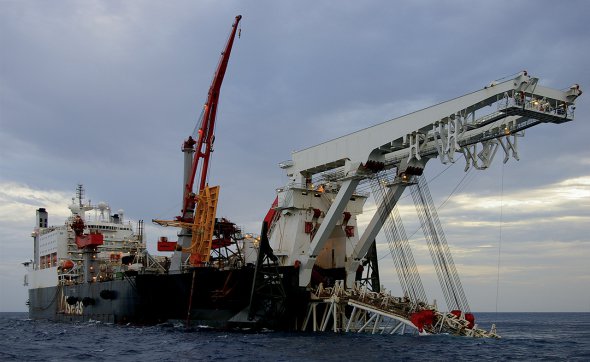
(311, 268)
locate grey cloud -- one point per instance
(104, 92)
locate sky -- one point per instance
(104, 92)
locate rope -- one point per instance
(198, 124)
(508, 76)
(459, 187)
(438, 247)
(58, 290)
(455, 189)
(500, 238)
(399, 247)
(190, 300)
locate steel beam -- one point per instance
(362, 246)
(327, 226)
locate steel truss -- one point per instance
(359, 310)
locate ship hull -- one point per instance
(217, 296)
(51, 303)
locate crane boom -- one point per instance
(197, 219)
(382, 139)
(204, 143)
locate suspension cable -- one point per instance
(438, 246)
(397, 240)
(500, 237)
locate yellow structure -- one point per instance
(204, 224)
(202, 228)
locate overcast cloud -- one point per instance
(104, 92)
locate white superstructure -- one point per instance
(58, 258)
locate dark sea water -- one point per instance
(526, 336)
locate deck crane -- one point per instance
(203, 145)
(197, 217)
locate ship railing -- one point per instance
(69, 276)
(543, 105)
(153, 264)
(318, 189)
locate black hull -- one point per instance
(217, 297)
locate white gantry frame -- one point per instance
(457, 125)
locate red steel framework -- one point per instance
(204, 143)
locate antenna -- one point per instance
(80, 194)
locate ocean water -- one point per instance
(525, 336)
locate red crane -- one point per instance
(205, 138)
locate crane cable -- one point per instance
(500, 238)
(399, 247)
(199, 123)
(438, 246)
(457, 187)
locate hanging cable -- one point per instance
(397, 240)
(455, 189)
(199, 124)
(500, 238)
(438, 247)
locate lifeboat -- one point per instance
(66, 264)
